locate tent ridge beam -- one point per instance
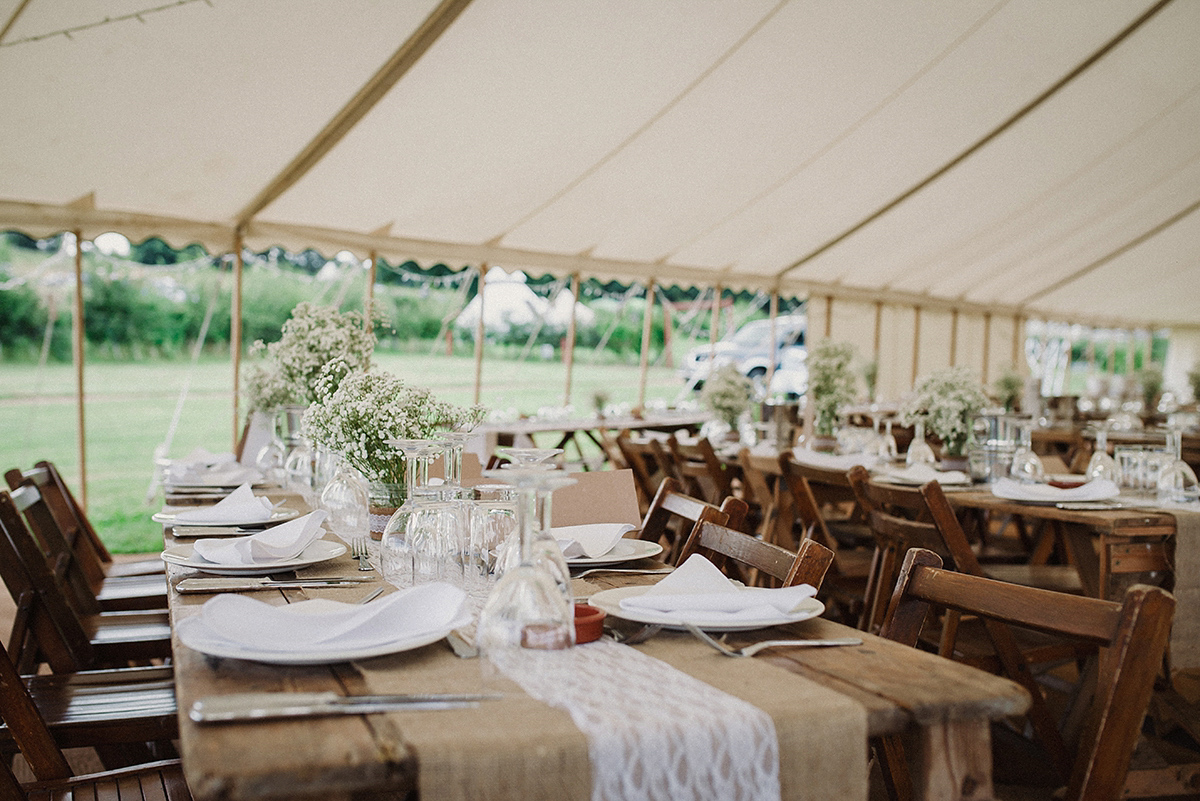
(1105, 259)
(366, 98)
(987, 138)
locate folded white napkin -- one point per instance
(276, 544)
(219, 475)
(202, 457)
(833, 461)
(1098, 490)
(698, 586)
(923, 473)
(590, 539)
(239, 506)
(323, 625)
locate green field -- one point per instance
(130, 406)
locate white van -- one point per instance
(749, 348)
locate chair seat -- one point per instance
(119, 637)
(141, 567)
(104, 707)
(133, 592)
(154, 780)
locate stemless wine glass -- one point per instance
(493, 520)
(919, 451)
(526, 609)
(1102, 465)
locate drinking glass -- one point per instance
(269, 460)
(543, 549)
(919, 451)
(529, 457)
(1177, 481)
(345, 498)
(887, 450)
(1026, 465)
(525, 609)
(493, 521)
(1102, 465)
(396, 544)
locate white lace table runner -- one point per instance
(654, 732)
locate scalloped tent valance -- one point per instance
(1020, 158)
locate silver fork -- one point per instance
(358, 548)
(642, 570)
(751, 650)
(637, 636)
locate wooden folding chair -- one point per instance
(60, 536)
(79, 532)
(722, 545)
(846, 584)
(697, 465)
(87, 637)
(650, 462)
(844, 519)
(1132, 637)
(55, 779)
(673, 515)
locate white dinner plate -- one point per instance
(610, 602)
(626, 550)
(319, 551)
(277, 516)
(199, 637)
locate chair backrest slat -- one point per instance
(721, 543)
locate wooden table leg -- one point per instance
(955, 761)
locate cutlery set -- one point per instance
(273, 706)
(237, 584)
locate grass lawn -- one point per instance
(130, 407)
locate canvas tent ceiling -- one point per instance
(1016, 157)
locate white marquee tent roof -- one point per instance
(1009, 156)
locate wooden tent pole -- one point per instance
(644, 361)
(569, 349)
(370, 306)
(483, 271)
(774, 311)
(953, 337)
(235, 332)
(718, 290)
(828, 316)
(1018, 323)
(77, 325)
(987, 344)
(916, 343)
(878, 330)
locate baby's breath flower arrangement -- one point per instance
(317, 342)
(947, 401)
(357, 414)
(727, 393)
(830, 383)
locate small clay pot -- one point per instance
(589, 623)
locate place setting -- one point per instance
(239, 509)
(590, 547)
(289, 546)
(323, 631)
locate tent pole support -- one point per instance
(916, 343)
(569, 348)
(483, 271)
(77, 326)
(644, 360)
(235, 331)
(953, 337)
(371, 274)
(987, 344)
(774, 312)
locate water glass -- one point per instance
(492, 514)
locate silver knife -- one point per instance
(270, 706)
(245, 584)
(187, 532)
